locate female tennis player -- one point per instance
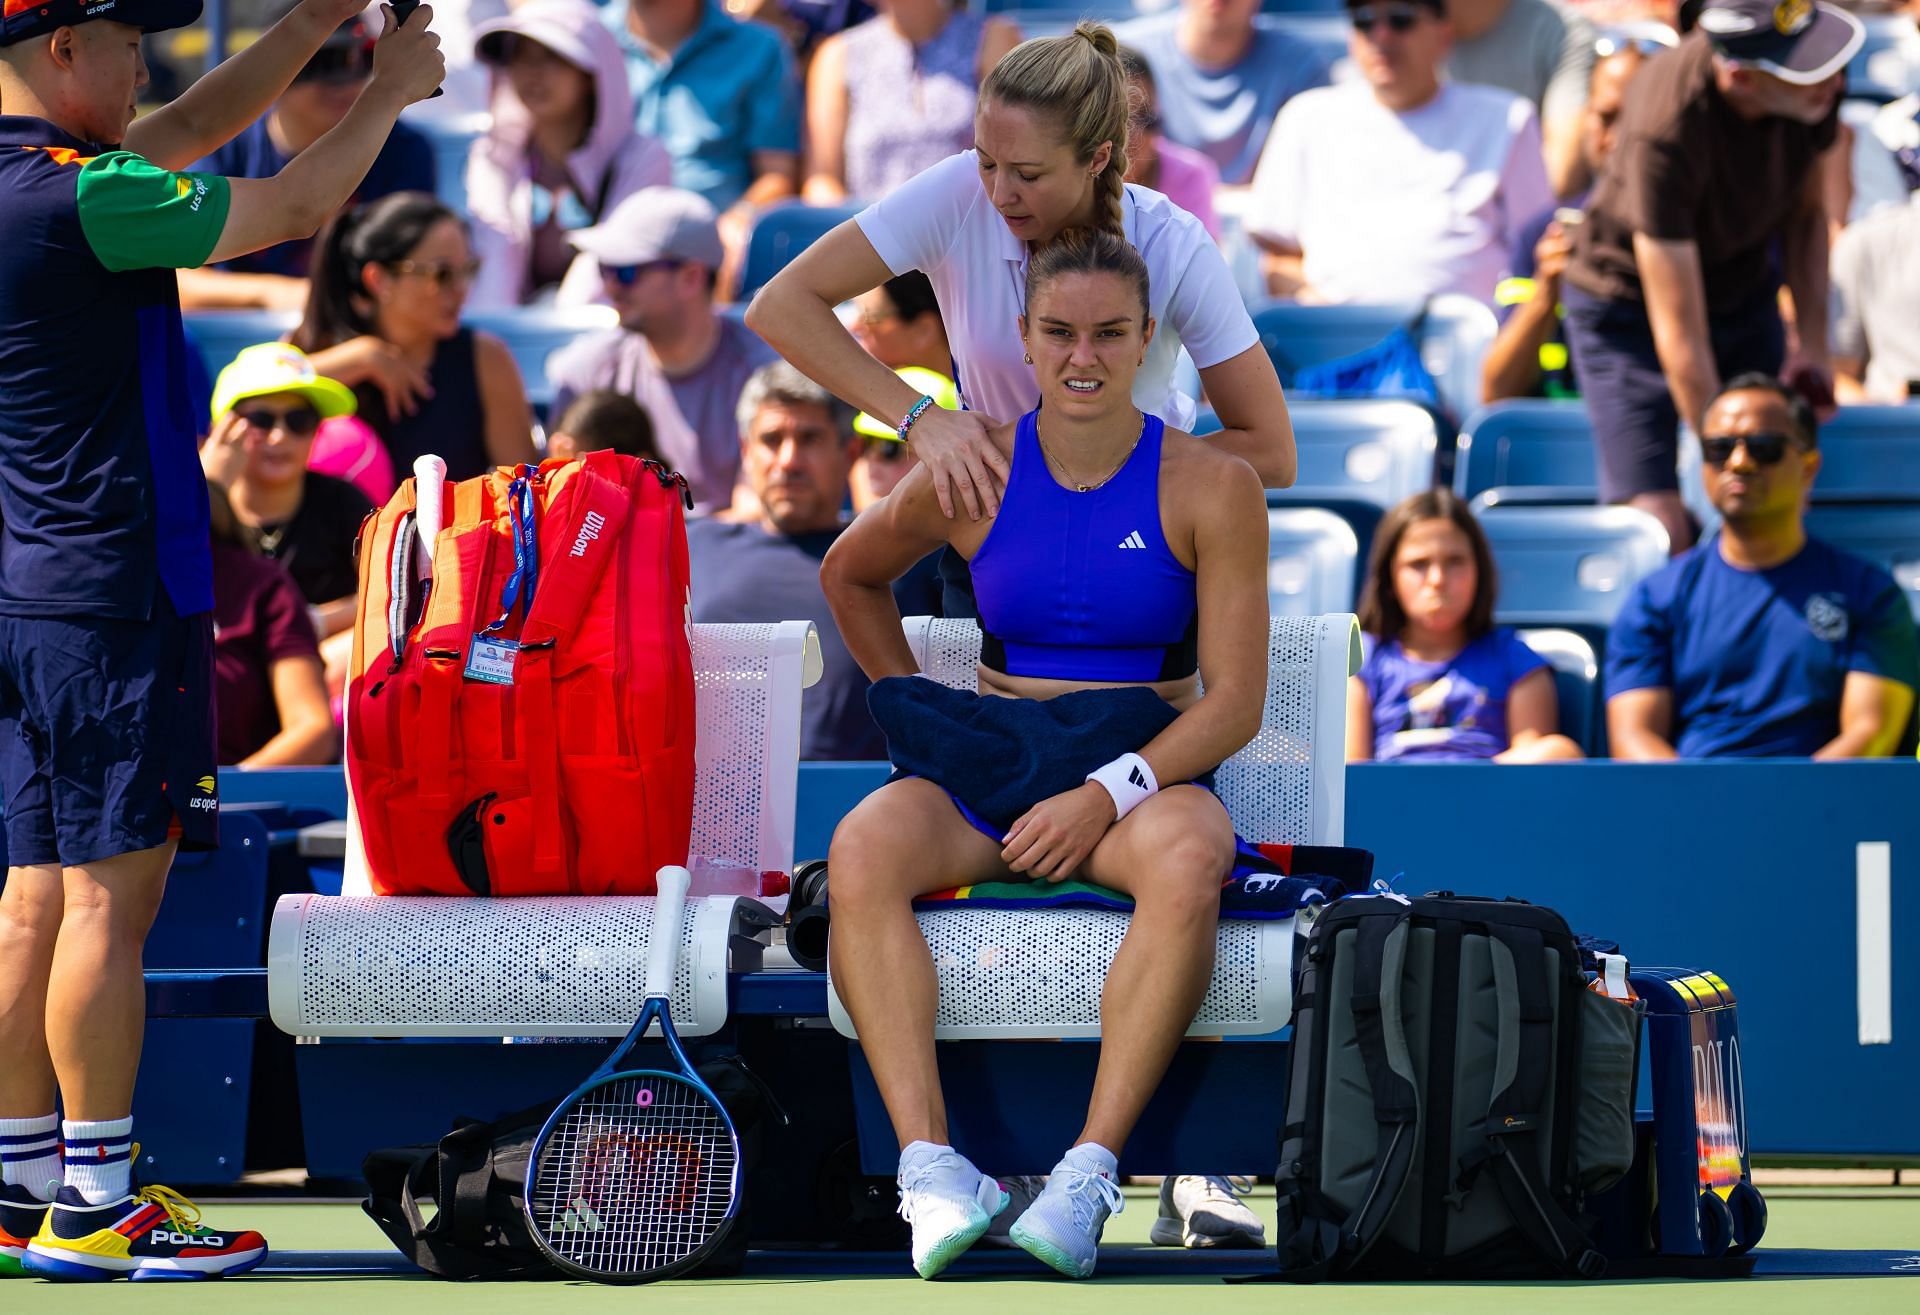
(1124, 553)
(1050, 139)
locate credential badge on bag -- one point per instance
(492, 661)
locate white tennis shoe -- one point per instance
(1021, 1192)
(948, 1201)
(1205, 1210)
(1063, 1225)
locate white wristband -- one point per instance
(1129, 780)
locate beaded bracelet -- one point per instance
(917, 410)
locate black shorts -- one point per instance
(1636, 427)
(107, 735)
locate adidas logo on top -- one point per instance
(1133, 541)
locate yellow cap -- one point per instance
(944, 392)
(278, 367)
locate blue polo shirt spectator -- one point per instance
(1756, 659)
(727, 90)
(101, 495)
(1222, 109)
(405, 164)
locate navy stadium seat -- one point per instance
(1571, 566)
(1576, 683)
(1870, 454)
(531, 333)
(1356, 458)
(1312, 555)
(782, 233)
(1453, 340)
(1531, 451)
(1888, 536)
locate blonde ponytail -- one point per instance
(1077, 80)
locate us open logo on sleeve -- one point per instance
(1827, 618)
(187, 185)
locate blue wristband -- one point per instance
(917, 410)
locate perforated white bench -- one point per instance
(358, 964)
(1007, 973)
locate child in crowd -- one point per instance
(1440, 681)
(601, 419)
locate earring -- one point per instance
(1029, 358)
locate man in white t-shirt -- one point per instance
(1401, 185)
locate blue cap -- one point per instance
(20, 19)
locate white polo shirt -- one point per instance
(942, 224)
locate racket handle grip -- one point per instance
(669, 914)
(429, 485)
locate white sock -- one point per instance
(922, 1150)
(1097, 1157)
(100, 1159)
(30, 1154)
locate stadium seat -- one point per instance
(782, 233)
(1312, 556)
(1453, 341)
(452, 141)
(531, 333)
(1528, 450)
(1576, 680)
(1888, 536)
(1870, 454)
(1357, 458)
(222, 335)
(1037, 973)
(1571, 566)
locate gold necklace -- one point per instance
(1061, 466)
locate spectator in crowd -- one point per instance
(1529, 358)
(721, 95)
(267, 406)
(1402, 185)
(796, 447)
(1440, 681)
(1542, 51)
(1222, 74)
(899, 323)
(1876, 282)
(561, 152)
(269, 696)
(321, 94)
(887, 459)
(1881, 155)
(658, 253)
(809, 22)
(1713, 191)
(600, 420)
(1761, 641)
(389, 282)
(1183, 175)
(895, 95)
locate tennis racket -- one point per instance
(636, 1176)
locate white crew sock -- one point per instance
(1092, 1155)
(30, 1154)
(99, 1159)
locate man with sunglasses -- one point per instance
(322, 92)
(106, 644)
(1401, 185)
(1712, 198)
(1761, 642)
(660, 253)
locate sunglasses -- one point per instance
(438, 273)
(1397, 18)
(886, 451)
(1765, 449)
(627, 275)
(301, 422)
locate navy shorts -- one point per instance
(1636, 427)
(107, 735)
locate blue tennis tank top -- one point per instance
(1082, 586)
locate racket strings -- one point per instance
(638, 1175)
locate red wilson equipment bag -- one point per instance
(523, 723)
